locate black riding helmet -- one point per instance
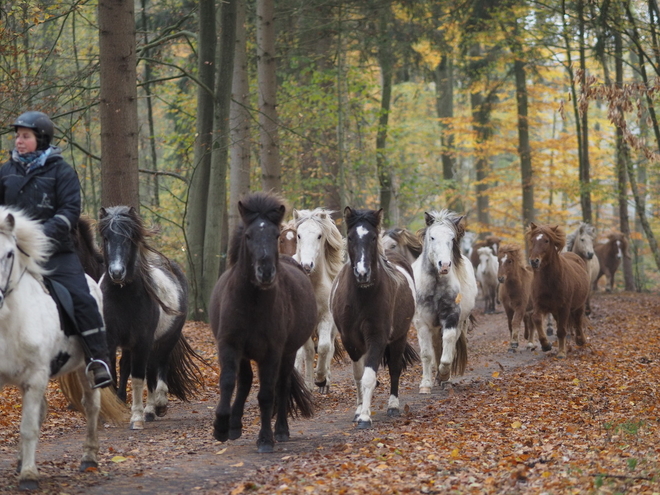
(40, 124)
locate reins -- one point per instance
(6, 290)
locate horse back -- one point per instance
(576, 276)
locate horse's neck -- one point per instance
(552, 271)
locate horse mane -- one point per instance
(513, 251)
(334, 241)
(34, 246)
(126, 222)
(406, 238)
(584, 228)
(556, 234)
(455, 222)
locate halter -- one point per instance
(6, 290)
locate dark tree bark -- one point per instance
(585, 187)
(524, 149)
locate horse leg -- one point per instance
(395, 366)
(124, 373)
(283, 394)
(243, 386)
(34, 412)
(427, 354)
(372, 359)
(92, 405)
(138, 370)
(228, 358)
(268, 376)
(305, 362)
(577, 319)
(562, 319)
(537, 318)
(449, 338)
(326, 350)
(358, 372)
(509, 318)
(529, 325)
(153, 398)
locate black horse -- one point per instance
(262, 309)
(373, 303)
(145, 302)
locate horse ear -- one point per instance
(281, 210)
(428, 218)
(296, 215)
(323, 215)
(348, 212)
(241, 209)
(10, 221)
(379, 216)
(103, 212)
(533, 226)
(555, 228)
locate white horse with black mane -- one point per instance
(446, 294)
(320, 251)
(34, 349)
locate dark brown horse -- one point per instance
(262, 309)
(560, 285)
(515, 278)
(610, 253)
(373, 303)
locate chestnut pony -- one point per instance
(560, 285)
(610, 253)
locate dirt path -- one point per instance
(177, 453)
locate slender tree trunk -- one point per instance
(585, 187)
(271, 177)
(198, 190)
(239, 182)
(150, 112)
(524, 150)
(118, 95)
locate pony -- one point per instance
(34, 348)
(145, 302)
(263, 309)
(560, 285)
(515, 278)
(491, 241)
(373, 303)
(610, 253)
(288, 241)
(487, 278)
(446, 295)
(402, 241)
(320, 251)
(467, 241)
(581, 242)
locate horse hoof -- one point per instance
(149, 417)
(512, 349)
(363, 425)
(235, 433)
(85, 465)
(355, 418)
(137, 425)
(265, 448)
(550, 332)
(561, 355)
(444, 377)
(161, 411)
(580, 341)
(546, 347)
(393, 412)
(282, 437)
(26, 485)
(220, 436)
(424, 390)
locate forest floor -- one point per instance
(522, 422)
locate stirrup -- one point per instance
(105, 382)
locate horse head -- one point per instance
(545, 243)
(262, 215)
(581, 242)
(442, 240)
(509, 259)
(288, 242)
(313, 231)
(363, 243)
(122, 233)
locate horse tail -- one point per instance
(301, 399)
(461, 357)
(340, 353)
(183, 374)
(112, 409)
(410, 356)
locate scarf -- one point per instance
(32, 160)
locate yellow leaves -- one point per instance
(220, 452)
(576, 382)
(495, 374)
(238, 464)
(118, 459)
(429, 55)
(516, 424)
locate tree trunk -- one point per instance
(155, 200)
(271, 177)
(118, 95)
(198, 190)
(524, 150)
(239, 181)
(585, 187)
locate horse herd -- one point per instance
(290, 293)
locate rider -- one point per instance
(39, 181)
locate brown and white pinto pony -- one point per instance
(515, 278)
(560, 285)
(288, 242)
(610, 253)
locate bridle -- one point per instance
(6, 290)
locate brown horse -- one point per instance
(515, 278)
(288, 240)
(610, 253)
(492, 241)
(560, 285)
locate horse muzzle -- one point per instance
(308, 267)
(362, 277)
(501, 279)
(265, 276)
(535, 263)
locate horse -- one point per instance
(320, 251)
(560, 285)
(145, 303)
(373, 303)
(581, 242)
(446, 295)
(288, 239)
(85, 246)
(515, 278)
(262, 309)
(33, 347)
(467, 241)
(487, 278)
(491, 241)
(610, 253)
(402, 241)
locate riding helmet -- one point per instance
(40, 124)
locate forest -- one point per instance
(508, 111)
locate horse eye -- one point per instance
(319, 236)
(10, 254)
(432, 238)
(298, 236)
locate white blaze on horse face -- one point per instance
(439, 242)
(361, 267)
(539, 237)
(289, 235)
(619, 254)
(310, 244)
(504, 259)
(361, 231)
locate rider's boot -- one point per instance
(97, 357)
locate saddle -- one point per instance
(64, 302)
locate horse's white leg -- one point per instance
(91, 402)
(156, 401)
(326, 350)
(368, 387)
(34, 412)
(137, 408)
(515, 328)
(425, 340)
(449, 338)
(358, 373)
(305, 362)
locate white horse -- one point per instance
(487, 277)
(34, 349)
(581, 242)
(320, 251)
(446, 294)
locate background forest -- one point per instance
(511, 111)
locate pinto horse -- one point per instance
(288, 242)
(610, 253)
(515, 278)
(262, 309)
(446, 295)
(145, 299)
(34, 349)
(320, 251)
(581, 242)
(373, 303)
(403, 242)
(560, 285)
